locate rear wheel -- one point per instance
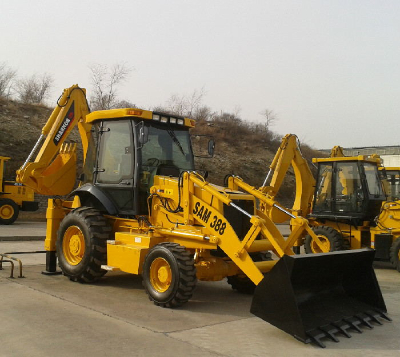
(395, 254)
(82, 244)
(169, 275)
(8, 211)
(330, 238)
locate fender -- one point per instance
(92, 191)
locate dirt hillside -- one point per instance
(241, 149)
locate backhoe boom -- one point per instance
(53, 172)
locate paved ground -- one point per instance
(52, 316)
(22, 230)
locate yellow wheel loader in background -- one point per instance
(346, 204)
(141, 208)
(14, 197)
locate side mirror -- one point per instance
(143, 133)
(202, 149)
(211, 147)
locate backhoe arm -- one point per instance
(53, 172)
(289, 154)
(337, 151)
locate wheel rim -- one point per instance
(160, 275)
(73, 245)
(6, 211)
(325, 242)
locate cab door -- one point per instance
(115, 165)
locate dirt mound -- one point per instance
(240, 150)
(20, 127)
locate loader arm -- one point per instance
(53, 172)
(262, 233)
(299, 224)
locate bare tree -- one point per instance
(124, 104)
(270, 118)
(230, 118)
(185, 105)
(34, 89)
(195, 100)
(7, 75)
(204, 113)
(105, 83)
(176, 104)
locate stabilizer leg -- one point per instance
(51, 264)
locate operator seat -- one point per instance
(168, 170)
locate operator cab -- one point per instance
(128, 148)
(393, 183)
(348, 188)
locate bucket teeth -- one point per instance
(385, 316)
(330, 332)
(374, 316)
(68, 148)
(365, 319)
(354, 322)
(316, 336)
(342, 326)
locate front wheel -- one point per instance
(169, 275)
(395, 254)
(331, 239)
(82, 244)
(8, 211)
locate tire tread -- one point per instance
(100, 232)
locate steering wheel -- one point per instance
(153, 161)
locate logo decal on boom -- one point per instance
(67, 121)
(204, 214)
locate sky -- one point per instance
(329, 70)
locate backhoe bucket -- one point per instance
(60, 176)
(318, 295)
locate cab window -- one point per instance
(116, 154)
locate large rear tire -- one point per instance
(169, 275)
(395, 254)
(331, 238)
(9, 211)
(82, 244)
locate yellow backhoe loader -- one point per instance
(14, 197)
(346, 204)
(393, 182)
(141, 208)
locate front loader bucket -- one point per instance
(318, 295)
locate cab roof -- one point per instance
(364, 158)
(127, 113)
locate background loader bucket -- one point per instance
(318, 295)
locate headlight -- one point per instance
(172, 120)
(181, 122)
(156, 117)
(164, 120)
